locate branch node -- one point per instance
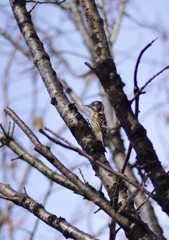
(92, 67)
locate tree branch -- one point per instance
(89, 193)
(105, 70)
(36, 163)
(69, 113)
(58, 223)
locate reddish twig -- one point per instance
(68, 144)
(136, 87)
(138, 61)
(149, 81)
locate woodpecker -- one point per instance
(98, 121)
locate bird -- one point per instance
(98, 121)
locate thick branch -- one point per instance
(106, 71)
(36, 163)
(88, 193)
(100, 44)
(69, 113)
(39, 211)
(74, 120)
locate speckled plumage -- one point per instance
(98, 121)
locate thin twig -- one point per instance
(116, 25)
(37, 222)
(94, 196)
(23, 126)
(119, 180)
(138, 61)
(149, 81)
(36, 3)
(58, 223)
(75, 98)
(128, 200)
(126, 158)
(145, 201)
(136, 87)
(3, 130)
(68, 145)
(101, 5)
(37, 164)
(124, 177)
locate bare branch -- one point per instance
(116, 25)
(67, 111)
(38, 210)
(75, 98)
(136, 87)
(111, 81)
(100, 44)
(149, 81)
(138, 62)
(67, 145)
(124, 177)
(36, 163)
(124, 191)
(45, 151)
(80, 25)
(15, 43)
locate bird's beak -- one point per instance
(88, 106)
